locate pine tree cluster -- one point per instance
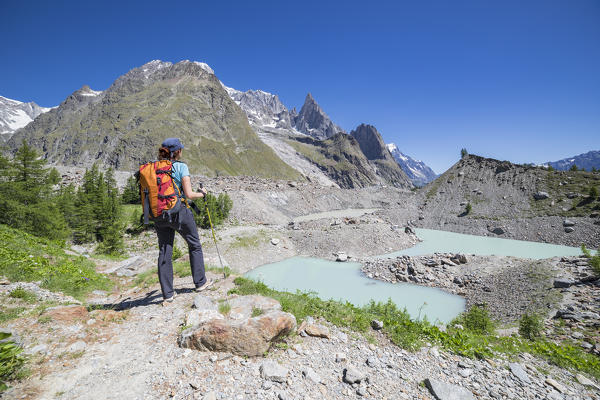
(31, 202)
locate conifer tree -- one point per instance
(131, 192)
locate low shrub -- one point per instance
(530, 326)
(177, 253)
(23, 294)
(593, 260)
(477, 320)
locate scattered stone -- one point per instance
(204, 303)
(586, 382)
(377, 325)
(311, 375)
(569, 229)
(272, 371)
(317, 331)
(195, 384)
(465, 372)
(541, 195)
(361, 391)
(568, 222)
(519, 372)
(40, 348)
(446, 391)
(353, 375)
(497, 230)
(341, 257)
(77, 346)
(446, 261)
(210, 396)
(274, 241)
(372, 362)
(555, 385)
(266, 385)
(562, 283)
(340, 357)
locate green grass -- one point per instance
(146, 278)
(8, 313)
(219, 270)
(23, 294)
(27, 258)
(250, 241)
(182, 268)
(478, 342)
(224, 308)
(256, 312)
(11, 361)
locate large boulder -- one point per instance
(541, 195)
(251, 326)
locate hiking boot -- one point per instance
(207, 284)
(168, 301)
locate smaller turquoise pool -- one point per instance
(344, 281)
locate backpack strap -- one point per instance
(176, 186)
(146, 207)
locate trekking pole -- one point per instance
(213, 234)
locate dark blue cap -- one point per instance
(173, 144)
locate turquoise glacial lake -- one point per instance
(434, 241)
(344, 281)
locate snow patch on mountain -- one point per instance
(418, 172)
(15, 114)
(587, 161)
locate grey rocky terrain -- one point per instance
(132, 346)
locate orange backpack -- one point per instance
(158, 189)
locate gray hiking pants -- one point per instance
(182, 222)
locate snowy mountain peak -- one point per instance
(15, 114)
(264, 110)
(205, 67)
(416, 170)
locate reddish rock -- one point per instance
(242, 335)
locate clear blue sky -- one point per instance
(515, 80)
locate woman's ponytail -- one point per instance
(164, 154)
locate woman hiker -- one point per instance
(182, 222)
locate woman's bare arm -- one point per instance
(187, 189)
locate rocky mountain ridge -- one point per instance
(586, 161)
(373, 147)
(15, 115)
(123, 125)
(275, 126)
(507, 199)
(313, 121)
